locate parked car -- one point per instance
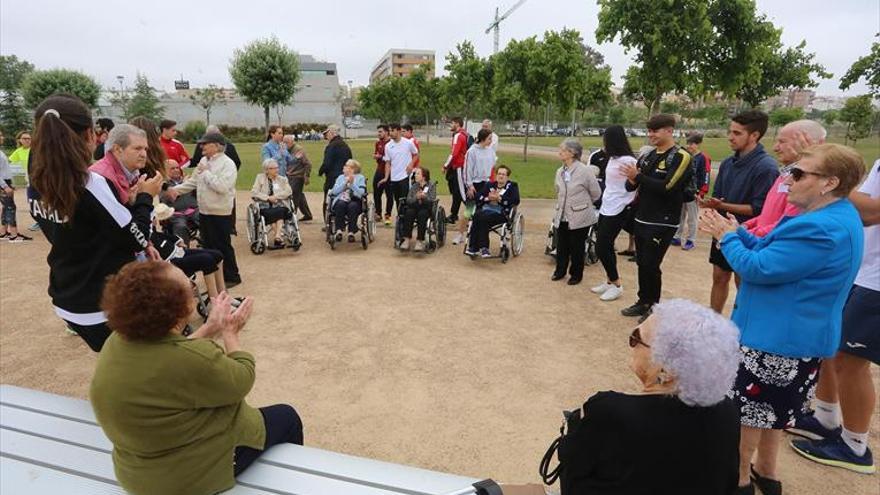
(593, 132)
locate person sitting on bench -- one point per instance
(174, 407)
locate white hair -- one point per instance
(267, 162)
(574, 147)
(811, 128)
(212, 129)
(121, 135)
(699, 346)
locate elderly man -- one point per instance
(126, 155)
(487, 124)
(299, 170)
(230, 150)
(336, 153)
(214, 182)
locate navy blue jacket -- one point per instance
(336, 154)
(745, 180)
(509, 198)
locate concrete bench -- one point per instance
(50, 444)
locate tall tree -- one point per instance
(867, 67)
(13, 115)
(523, 65)
(384, 99)
(781, 69)
(266, 74)
(466, 79)
(420, 96)
(208, 98)
(143, 101)
(39, 85)
(858, 114)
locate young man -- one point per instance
(454, 165)
(660, 177)
(702, 165)
(174, 149)
(740, 188)
(399, 157)
(845, 385)
(380, 188)
(408, 133)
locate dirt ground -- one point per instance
(431, 360)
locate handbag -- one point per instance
(568, 448)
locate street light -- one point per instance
(120, 79)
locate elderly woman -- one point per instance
(790, 303)
(419, 201)
(576, 190)
(174, 407)
(495, 200)
(269, 191)
(345, 198)
(679, 433)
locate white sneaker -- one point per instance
(420, 246)
(601, 288)
(404, 244)
(613, 293)
(457, 239)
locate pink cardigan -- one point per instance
(776, 206)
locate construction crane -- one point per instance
(496, 24)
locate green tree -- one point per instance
(384, 99)
(858, 114)
(782, 116)
(208, 98)
(420, 93)
(39, 85)
(830, 116)
(792, 68)
(523, 65)
(143, 101)
(867, 67)
(13, 116)
(465, 80)
(266, 74)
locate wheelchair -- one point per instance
(435, 233)
(591, 256)
(258, 231)
(511, 233)
(366, 222)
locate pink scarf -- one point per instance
(110, 168)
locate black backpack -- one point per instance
(470, 141)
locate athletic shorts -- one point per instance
(861, 324)
(716, 257)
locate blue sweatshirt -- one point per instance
(745, 180)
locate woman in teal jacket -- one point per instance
(789, 307)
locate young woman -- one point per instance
(156, 158)
(614, 212)
(478, 164)
(92, 234)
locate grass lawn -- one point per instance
(535, 178)
(717, 148)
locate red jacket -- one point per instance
(175, 151)
(459, 149)
(378, 154)
(418, 159)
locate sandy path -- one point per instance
(432, 360)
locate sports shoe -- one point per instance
(4, 236)
(601, 288)
(338, 236)
(457, 239)
(404, 244)
(611, 294)
(451, 219)
(675, 241)
(484, 253)
(810, 428)
(835, 452)
(470, 252)
(20, 238)
(387, 220)
(637, 309)
(420, 246)
(35, 227)
(688, 245)
(351, 238)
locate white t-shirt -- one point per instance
(616, 197)
(494, 143)
(869, 272)
(400, 154)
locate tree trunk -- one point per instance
(266, 115)
(573, 117)
(428, 128)
(207, 116)
(655, 105)
(526, 142)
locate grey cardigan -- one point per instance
(575, 197)
(414, 188)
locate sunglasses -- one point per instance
(635, 338)
(799, 173)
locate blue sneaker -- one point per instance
(835, 452)
(676, 241)
(688, 245)
(810, 428)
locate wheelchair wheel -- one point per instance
(258, 247)
(517, 235)
(440, 226)
(591, 256)
(370, 222)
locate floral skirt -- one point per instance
(773, 391)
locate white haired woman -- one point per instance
(269, 191)
(680, 432)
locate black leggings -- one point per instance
(483, 222)
(283, 425)
(418, 212)
(198, 260)
(382, 190)
(609, 229)
(399, 189)
(93, 335)
(452, 182)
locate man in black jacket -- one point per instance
(660, 177)
(229, 151)
(336, 153)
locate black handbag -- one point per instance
(567, 450)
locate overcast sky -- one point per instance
(167, 39)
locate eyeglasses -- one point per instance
(799, 173)
(635, 338)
